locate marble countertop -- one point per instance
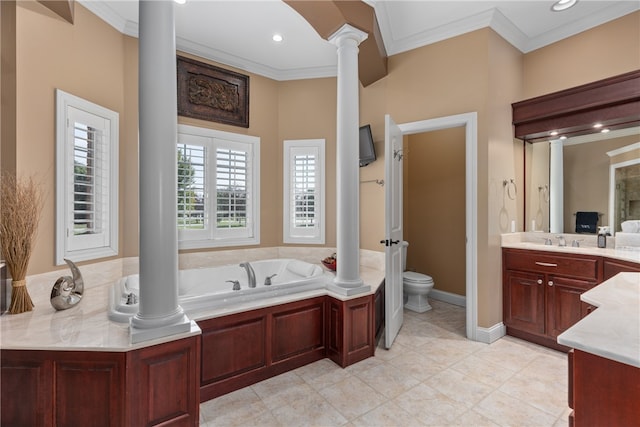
(612, 330)
(86, 326)
(588, 245)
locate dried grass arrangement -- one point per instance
(20, 207)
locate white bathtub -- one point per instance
(203, 288)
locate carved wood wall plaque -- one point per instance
(210, 93)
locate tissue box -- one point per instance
(625, 240)
(631, 226)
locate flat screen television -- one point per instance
(367, 150)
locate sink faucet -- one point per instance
(561, 241)
(250, 274)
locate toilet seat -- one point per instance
(416, 278)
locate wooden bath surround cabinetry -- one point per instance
(149, 386)
(241, 349)
(164, 384)
(541, 291)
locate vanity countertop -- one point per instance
(612, 330)
(86, 327)
(588, 246)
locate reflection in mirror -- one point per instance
(586, 168)
(624, 190)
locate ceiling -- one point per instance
(239, 33)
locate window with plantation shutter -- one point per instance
(304, 191)
(191, 187)
(218, 188)
(86, 179)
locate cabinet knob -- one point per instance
(539, 281)
(550, 282)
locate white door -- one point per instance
(394, 303)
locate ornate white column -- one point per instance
(159, 313)
(348, 281)
(556, 188)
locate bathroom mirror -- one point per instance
(579, 115)
(598, 173)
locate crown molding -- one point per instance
(500, 24)
(130, 28)
(609, 14)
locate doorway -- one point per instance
(469, 122)
(434, 210)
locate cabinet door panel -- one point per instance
(297, 331)
(26, 385)
(524, 301)
(88, 393)
(564, 307)
(233, 348)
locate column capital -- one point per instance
(347, 32)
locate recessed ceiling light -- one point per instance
(605, 130)
(561, 5)
(180, 1)
(277, 38)
(553, 133)
(597, 125)
(563, 137)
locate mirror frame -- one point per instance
(614, 102)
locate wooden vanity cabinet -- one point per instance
(615, 266)
(541, 292)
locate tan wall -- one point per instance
(608, 50)
(504, 161)
(434, 207)
(307, 110)
(86, 59)
(586, 178)
(373, 107)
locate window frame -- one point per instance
(308, 235)
(212, 237)
(99, 245)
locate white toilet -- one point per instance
(416, 286)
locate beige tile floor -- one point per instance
(432, 376)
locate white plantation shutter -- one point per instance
(89, 176)
(226, 169)
(304, 191)
(231, 188)
(87, 180)
(192, 194)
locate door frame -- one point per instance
(470, 122)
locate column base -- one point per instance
(341, 290)
(141, 329)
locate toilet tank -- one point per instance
(405, 244)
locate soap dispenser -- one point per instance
(602, 237)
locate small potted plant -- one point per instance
(20, 206)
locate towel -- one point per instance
(587, 222)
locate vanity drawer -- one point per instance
(572, 265)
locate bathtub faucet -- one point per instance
(250, 274)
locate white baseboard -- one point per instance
(489, 335)
(448, 297)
